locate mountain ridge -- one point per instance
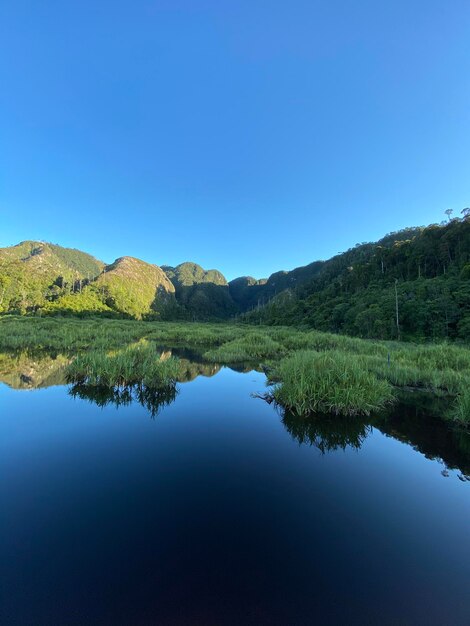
(352, 292)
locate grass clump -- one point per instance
(136, 365)
(328, 382)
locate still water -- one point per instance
(214, 508)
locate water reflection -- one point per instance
(413, 421)
(416, 421)
(327, 433)
(153, 400)
(190, 370)
(39, 368)
(26, 370)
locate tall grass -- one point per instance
(438, 368)
(138, 364)
(70, 334)
(328, 382)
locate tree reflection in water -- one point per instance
(327, 432)
(151, 399)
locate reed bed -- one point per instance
(135, 365)
(112, 356)
(328, 382)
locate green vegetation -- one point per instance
(33, 274)
(134, 365)
(202, 294)
(313, 371)
(72, 334)
(354, 292)
(250, 293)
(328, 382)
(188, 274)
(412, 285)
(134, 288)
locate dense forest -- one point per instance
(412, 284)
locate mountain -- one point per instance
(203, 294)
(43, 276)
(134, 287)
(32, 272)
(248, 293)
(424, 272)
(188, 274)
(128, 287)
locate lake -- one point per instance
(212, 507)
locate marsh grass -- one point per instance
(437, 368)
(328, 382)
(136, 365)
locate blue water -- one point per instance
(213, 513)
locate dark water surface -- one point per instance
(220, 511)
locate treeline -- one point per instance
(414, 284)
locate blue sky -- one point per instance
(249, 136)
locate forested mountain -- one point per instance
(247, 292)
(32, 273)
(128, 287)
(203, 294)
(423, 272)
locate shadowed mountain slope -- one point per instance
(204, 294)
(249, 293)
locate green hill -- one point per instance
(188, 274)
(248, 293)
(423, 272)
(203, 294)
(128, 287)
(33, 273)
(133, 287)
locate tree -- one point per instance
(396, 309)
(448, 212)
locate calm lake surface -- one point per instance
(217, 509)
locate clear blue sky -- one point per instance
(245, 135)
